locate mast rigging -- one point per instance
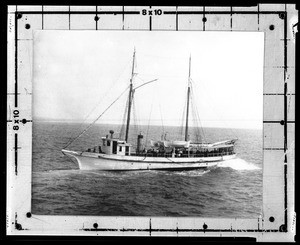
(188, 102)
(131, 95)
(130, 98)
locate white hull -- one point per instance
(98, 161)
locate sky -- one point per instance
(78, 74)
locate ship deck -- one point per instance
(184, 155)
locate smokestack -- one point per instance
(139, 142)
(111, 133)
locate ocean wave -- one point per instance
(189, 173)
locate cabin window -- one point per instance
(103, 142)
(108, 143)
(120, 148)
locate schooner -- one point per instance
(114, 153)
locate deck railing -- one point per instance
(169, 155)
(191, 155)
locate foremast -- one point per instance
(130, 97)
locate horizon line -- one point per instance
(141, 124)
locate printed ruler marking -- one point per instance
(96, 18)
(150, 229)
(274, 149)
(230, 18)
(16, 121)
(285, 119)
(204, 18)
(16, 112)
(23, 120)
(123, 17)
(258, 17)
(42, 17)
(16, 153)
(285, 122)
(16, 60)
(150, 21)
(285, 196)
(222, 12)
(155, 12)
(79, 12)
(176, 19)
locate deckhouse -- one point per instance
(111, 145)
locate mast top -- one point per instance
(133, 64)
(189, 70)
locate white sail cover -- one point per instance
(225, 142)
(156, 143)
(170, 144)
(177, 143)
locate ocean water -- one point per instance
(232, 189)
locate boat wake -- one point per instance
(190, 173)
(58, 171)
(126, 174)
(238, 164)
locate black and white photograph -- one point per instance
(147, 123)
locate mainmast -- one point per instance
(130, 97)
(188, 103)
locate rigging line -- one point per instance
(122, 128)
(136, 128)
(195, 123)
(138, 119)
(194, 109)
(163, 57)
(138, 77)
(182, 119)
(163, 75)
(202, 130)
(102, 98)
(162, 122)
(96, 118)
(197, 116)
(200, 126)
(214, 109)
(161, 117)
(149, 121)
